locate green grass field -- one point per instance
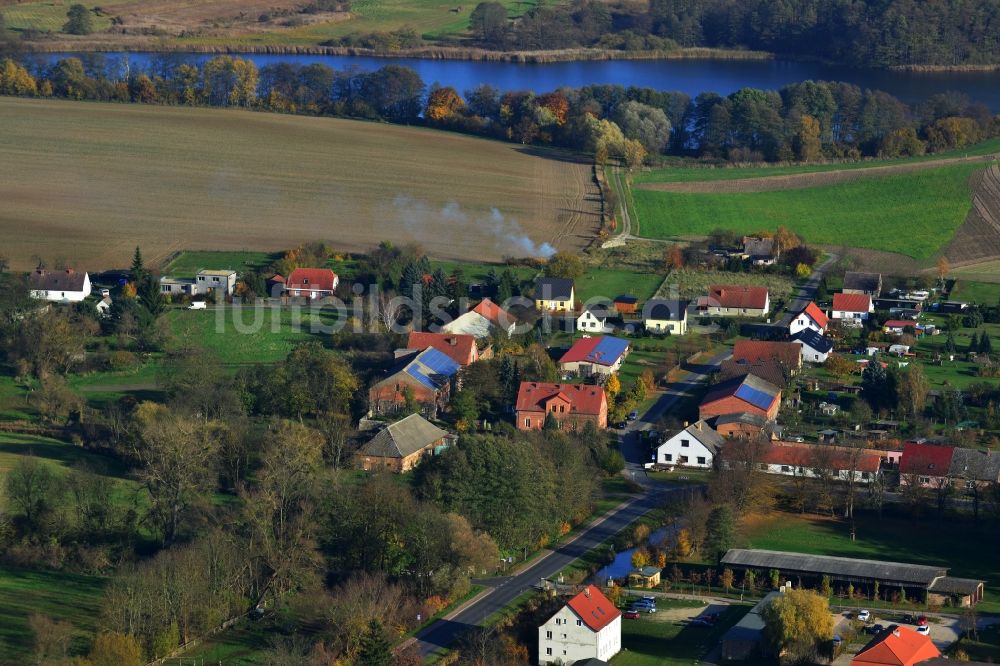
(686, 174)
(50, 16)
(660, 642)
(983, 293)
(189, 262)
(609, 282)
(956, 543)
(914, 214)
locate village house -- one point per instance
(665, 316)
(587, 627)
(480, 321)
(458, 347)
(626, 304)
(743, 426)
(205, 281)
(788, 354)
(814, 461)
(815, 348)
(311, 283)
(593, 319)
(554, 295)
(602, 355)
(899, 326)
(569, 404)
(867, 284)
(735, 301)
(971, 469)
(811, 317)
(694, 446)
(769, 370)
(896, 646)
(65, 286)
(401, 446)
(748, 394)
(760, 251)
(851, 309)
(646, 577)
(424, 377)
(925, 465)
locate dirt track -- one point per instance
(804, 180)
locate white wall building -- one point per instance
(592, 321)
(587, 627)
(67, 286)
(695, 446)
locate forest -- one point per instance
(864, 33)
(807, 121)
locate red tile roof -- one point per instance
(807, 455)
(731, 296)
(896, 646)
(813, 312)
(852, 303)
(600, 350)
(585, 399)
(926, 459)
(494, 313)
(751, 351)
(900, 323)
(315, 279)
(595, 609)
(459, 347)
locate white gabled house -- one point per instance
(67, 286)
(851, 309)
(587, 627)
(811, 318)
(695, 446)
(593, 319)
(815, 348)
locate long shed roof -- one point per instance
(916, 574)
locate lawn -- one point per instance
(609, 282)
(223, 179)
(189, 262)
(914, 214)
(987, 271)
(650, 640)
(970, 291)
(684, 174)
(244, 336)
(957, 542)
(50, 16)
(986, 647)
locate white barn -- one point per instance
(67, 286)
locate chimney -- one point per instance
(699, 425)
(895, 632)
(453, 341)
(685, 424)
(586, 591)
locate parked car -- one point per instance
(924, 629)
(631, 615)
(644, 601)
(198, 305)
(633, 415)
(864, 615)
(922, 621)
(908, 618)
(874, 629)
(649, 599)
(643, 609)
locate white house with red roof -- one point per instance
(587, 627)
(726, 300)
(311, 283)
(481, 320)
(811, 318)
(851, 309)
(600, 355)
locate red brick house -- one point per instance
(311, 283)
(735, 301)
(788, 354)
(458, 347)
(427, 376)
(572, 404)
(747, 394)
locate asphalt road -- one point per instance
(503, 590)
(806, 292)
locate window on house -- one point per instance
(762, 466)
(579, 623)
(865, 475)
(548, 651)
(925, 479)
(667, 457)
(562, 408)
(548, 635)
(786, 468)
(685, 443)
(701, 460)
(682, 459)
(305, 281)
(527, 423)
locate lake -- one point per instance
(688, 76)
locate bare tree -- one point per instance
(741, 482)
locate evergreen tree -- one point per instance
(138, 267)
(719, 532)
(149, 295)
(949, 345)
(493, 284)
(375, 648)
(410, 278)
(81, 21)
(985, 344)
(457, 287)
(507, 286)
(551, 423)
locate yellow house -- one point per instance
(554, 295)
(648, 577)
(665, 316)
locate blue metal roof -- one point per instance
(430, 366)
(755, 397)
(608, 350)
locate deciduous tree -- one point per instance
(795, 623)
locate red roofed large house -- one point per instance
(926, 465)
(573, 404)
(747, 394)
(460, 348)
(810, 317)
(788, 354)
(851, 309)
(896, 646)
(735, 301)
(601, 355)
(807, 460)
(479, 321)
(587, 627)
(311, 283)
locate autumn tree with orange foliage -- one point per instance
(443, 105)
(557, 104)
(674, 257)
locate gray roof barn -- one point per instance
(974, 465)
(865, 283)
(403, 438)
(846, 567)
(67, 280)
(553, 289)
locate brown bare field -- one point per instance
(978, 239)
(84, 183)
(801, 181)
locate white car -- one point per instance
(198, 305)
(864, 615)
(925, 630)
